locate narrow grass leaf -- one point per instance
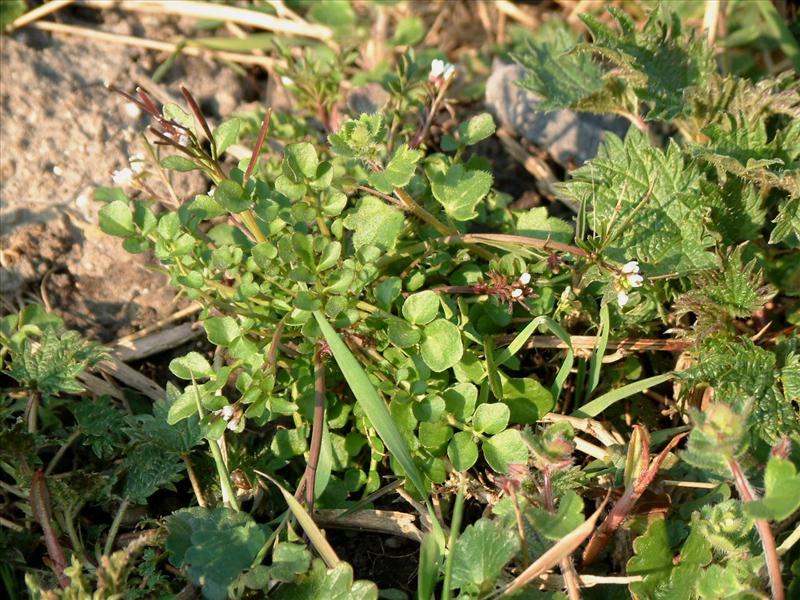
(313, 532)
(595, 407)
(373, 405)
(599, 350)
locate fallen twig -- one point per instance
(37, 13)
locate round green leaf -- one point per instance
(462, 451)
(442, 347)
(193, 365)
(421, 308)
(300, 162)
(116, 218)
(460, 400)
(527, 399)
(506, 448)
(491, 418)
(429, 409)
(221, 330)
(232, 196)
(401, 334)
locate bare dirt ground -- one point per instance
(63, 134)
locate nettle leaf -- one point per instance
(374, 223)
(154, 429)
(646, 203)
(782, 494)
(556, 526)
(398, 172)
(659, 62)
(327, 584)
(459, 191)
(359, 138)
(149, 469)
(566, 79)
(737, 213)
(787, 223)
(101, 423)
(505, 448)
(442, 347)
(482, 551)
(215, 545)
(537, 223)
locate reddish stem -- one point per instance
(317, 426)
(257, 149)
(40, 506)
(764, 532)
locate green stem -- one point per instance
(61, 451)
(455, 525)
(33, 413)
(112, 533)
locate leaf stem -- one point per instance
(61, 451)
(198, 491)
(317, 427)
(764, 532)
(112, 533)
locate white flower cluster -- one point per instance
(182, 139)
(441, 71)
(124, 177)
(630, 279)
(228, 413)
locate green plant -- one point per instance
(374, 308)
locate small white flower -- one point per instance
(525, 278)
(211, 191)
(227, 412)
(233, 424)
(287, 80)
(630, 267)
(516, 293)
(183, 140)
(449, 71)
(122, 177)
(132, 110)
(635, 280)
(137, 163)
(622, 298)
(441, 71)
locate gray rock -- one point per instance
(570, 137)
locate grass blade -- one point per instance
(523, 336)
(313, 532)
(598, 405)
(373, 405)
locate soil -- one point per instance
(64, 133)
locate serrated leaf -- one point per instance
(398, 172)
(782, 493)
(482, 551)
(505, 448)
(374, 223)
(442, 347)
(116, 218)
(645, 203)
(459, 191)
(149, 469)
